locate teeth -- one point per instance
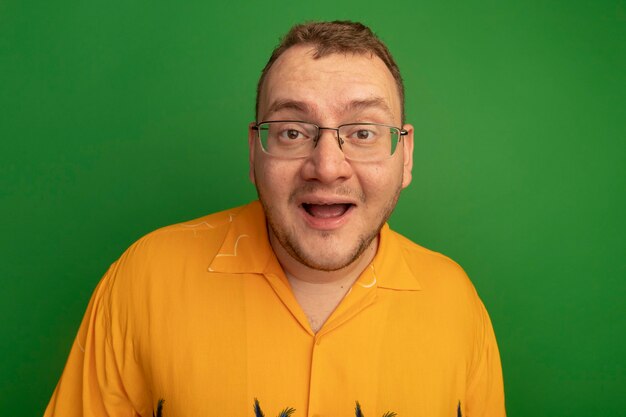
(326, 210)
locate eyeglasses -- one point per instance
(365, 142)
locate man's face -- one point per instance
(325, 210)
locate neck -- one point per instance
(319, 292)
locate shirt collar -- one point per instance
(390, 266)
(246, 249)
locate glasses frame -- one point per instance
(340, 141)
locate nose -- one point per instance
(332, 129)
(327, 163)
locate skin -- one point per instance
(328, 91)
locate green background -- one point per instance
(118, 117)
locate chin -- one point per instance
(329, 259)
(323, 264)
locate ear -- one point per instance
(252, 141)
(407, 147)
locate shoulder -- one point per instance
(173, 253)
(185, 239)
(428, 263)
(436, 273)
(166, 266)
(446, 290)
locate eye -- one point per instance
(292, 134)
(364, 134)
(361, 133)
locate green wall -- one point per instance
(118, 117)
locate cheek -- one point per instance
(381, 182)
(273, 177)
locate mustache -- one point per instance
(340, 191)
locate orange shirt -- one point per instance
(200, 314)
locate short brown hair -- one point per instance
(328, 38)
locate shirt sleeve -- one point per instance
(101, 376)
(485, 388)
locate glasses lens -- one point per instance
(369, 142)
(287, 139)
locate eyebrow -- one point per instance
(352, 107)
(298, 106)
(375, 102)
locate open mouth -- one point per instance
(326, 211)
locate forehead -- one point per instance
(327, 87)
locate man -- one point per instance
(306, 300)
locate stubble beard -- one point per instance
(289, 241)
